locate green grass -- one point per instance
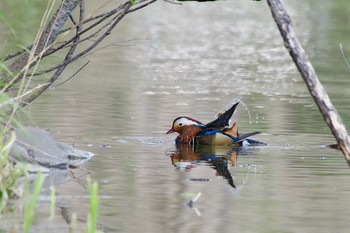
(52, 202)
(31, 201)
(92, 217)
(73, 223)
(9, 173)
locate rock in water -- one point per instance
(37, 146)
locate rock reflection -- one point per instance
(185, 157)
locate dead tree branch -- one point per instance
(51, 41)
(328, 111)
(48, 36)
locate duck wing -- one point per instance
(223, 120)
(208, 131)
(241, 137)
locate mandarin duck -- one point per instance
(217, 132)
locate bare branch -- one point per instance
(328, 111)
(47, 38)
(70, 58)
(50, 42)
(15, 54)
(141, 6)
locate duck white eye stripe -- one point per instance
(185, 121)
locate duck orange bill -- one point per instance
(172, 130)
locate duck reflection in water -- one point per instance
(216, 143)
(187, 156)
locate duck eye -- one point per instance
(180, 124)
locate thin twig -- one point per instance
(47, 39)
(173, 2)
(141, 6)
(15, 54)
(116, 21)
(72, 19)
(61, 69)
(79, 28)
(91, 18)
(51, 50)
(106, 16)
(74, 74)
(37, 43)
(48, 44)
(192, 201)
(12, 100)
(70, 58)
(343, 56)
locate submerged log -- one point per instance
(296, 51)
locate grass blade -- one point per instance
(29, 207)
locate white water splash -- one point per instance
(244, 105)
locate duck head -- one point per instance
(187, 128)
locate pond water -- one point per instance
(195, 59)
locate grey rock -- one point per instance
(37, 146)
